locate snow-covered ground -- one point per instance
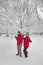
(8, 52)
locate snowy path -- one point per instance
(8, 52)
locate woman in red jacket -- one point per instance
(26, 43)
(19, 39)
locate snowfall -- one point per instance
(8, 50)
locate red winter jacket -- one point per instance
(19, 39)
(26, 42)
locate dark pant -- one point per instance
(25, 52)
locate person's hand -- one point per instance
(15, 36)
(30, 41)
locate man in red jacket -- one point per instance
(26, 43)
(19, 39)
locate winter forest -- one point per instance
(21, 14)
(24, 16)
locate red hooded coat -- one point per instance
(19, 39)
(26, 42)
